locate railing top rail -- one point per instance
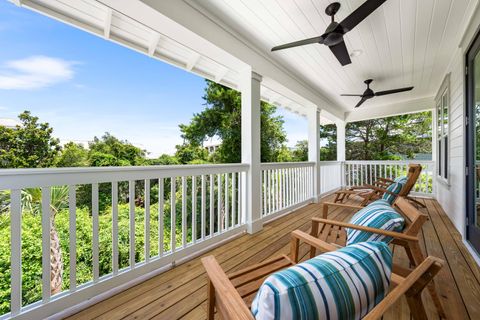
(30, 178)
(389, 161)
(279, 165)
(330, 163)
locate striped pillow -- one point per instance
(345, 284)
(395, 188)
(401, 179)
(378, 215)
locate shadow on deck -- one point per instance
(181, 291)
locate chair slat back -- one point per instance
(414, 218)
(414, 171)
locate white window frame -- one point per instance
(442, 132)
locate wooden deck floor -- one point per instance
(181, 292)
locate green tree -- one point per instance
(30, 145)
(300, 152)
(111, 151)
(72, 155)
(389, 138)
(328, 136)
(222, 118)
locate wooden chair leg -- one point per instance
(338, 197)
(314, 233)
(418, 258)
(324, 214)
(416, 202)
(417, 309)
(211, 301)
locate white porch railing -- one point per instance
(331, 176)
(203, 207)
(286, 186)
(207, 198)
(362, 172)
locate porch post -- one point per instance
(340, 140)
(314, 149)
(341, 148)
(252, 190)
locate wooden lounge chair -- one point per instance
(227, 293)
(372, 192)
(414, 220)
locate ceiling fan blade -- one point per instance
(360, 13)
(351, 95)
(382, 93)
(299, 43)
(340, 51)
(360, 102)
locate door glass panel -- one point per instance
(476, 113)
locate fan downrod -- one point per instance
(367, 82)
(332, 8)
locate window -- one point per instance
(442, 103)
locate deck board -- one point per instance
(181, 291)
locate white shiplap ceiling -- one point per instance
(403, 43)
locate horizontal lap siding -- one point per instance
(452, 198)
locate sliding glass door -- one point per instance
(473, 144)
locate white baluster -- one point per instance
(95, 242)
(72, 223)
(131, 203)
(147, 221)
(115, 227)
(161, 215)
(16, 251)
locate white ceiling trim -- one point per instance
(191, 16)
(388, 110)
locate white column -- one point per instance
(314, 149)
(340, 140)
(434, 135)
(252, 190)
(341, 148)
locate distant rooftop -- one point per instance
(9, 123)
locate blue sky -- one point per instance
(84, 85)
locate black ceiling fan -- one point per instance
(333, 36)
(369, 94)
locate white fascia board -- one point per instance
(410, 106)
(188, 25)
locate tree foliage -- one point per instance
(29, 145)
(222, 118)
(328, 136)
(389, 138)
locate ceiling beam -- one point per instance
(206, 35)
(388, 110)
(108, 23)
(192, 61)
(152, 47)
(220, 75)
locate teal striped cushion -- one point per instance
(401, 179)
(344, 284)
(395, 187)
(379, 215)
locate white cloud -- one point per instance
(35, 72)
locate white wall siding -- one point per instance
(452, 196)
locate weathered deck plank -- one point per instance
(181, 292)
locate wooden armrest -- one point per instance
(298, 236)
(229, 302)
(342, 205)
(347, 191)
(396, 235)
(411, 286)
(385, 180)
(382, 190)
